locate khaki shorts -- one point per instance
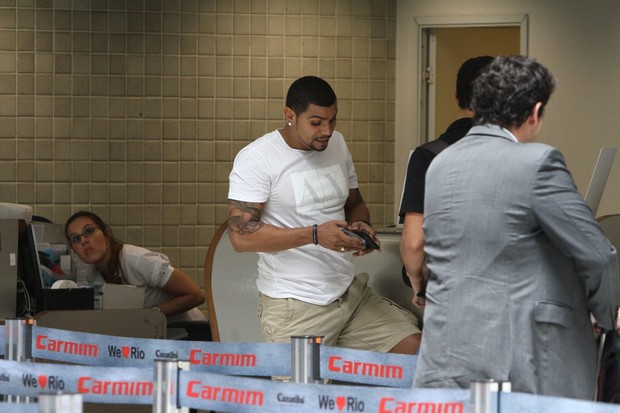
(359, 319)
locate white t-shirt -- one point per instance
(151, 270)
(299, 189)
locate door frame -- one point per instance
(426, 27)
(409, 128)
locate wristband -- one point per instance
(315, 235)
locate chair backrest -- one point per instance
(232, 295)
(231, 292)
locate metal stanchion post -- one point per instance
(165, 395)
(504, 387)
(18, 333)
(306, 359)
(485, 395)
(183, 366)
(60, 403)
(18, 346)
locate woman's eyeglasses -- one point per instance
(86, 233)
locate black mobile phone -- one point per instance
(364, 236)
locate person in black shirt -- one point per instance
(412, 207)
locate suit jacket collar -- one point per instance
(491, 130)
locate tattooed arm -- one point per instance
(248, 233)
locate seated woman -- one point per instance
(166, 287)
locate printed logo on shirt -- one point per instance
(319, 189)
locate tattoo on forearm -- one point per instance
(248, 221)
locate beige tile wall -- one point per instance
(135, 109)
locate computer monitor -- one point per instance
(602, 168)
(28, 268)
(9, 229)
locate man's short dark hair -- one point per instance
(508, 89)
(309, 90)
(468, 72)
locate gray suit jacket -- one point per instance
(517, 264)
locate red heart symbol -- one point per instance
(340, 401)
(42, 381)
(126, 351)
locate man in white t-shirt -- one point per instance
(291, 193)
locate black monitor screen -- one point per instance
(28, 269)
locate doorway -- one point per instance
(430, 50)
(447, 49)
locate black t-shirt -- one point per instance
(421, 158)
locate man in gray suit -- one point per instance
(517, 261)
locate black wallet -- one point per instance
(364, 236)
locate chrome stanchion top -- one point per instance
(18, 333)
(484, 395)
(305, 358)
(165, 394)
